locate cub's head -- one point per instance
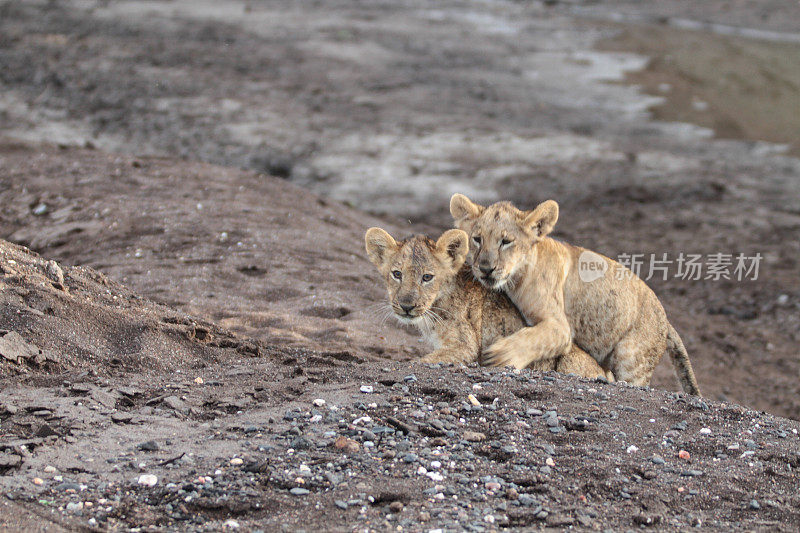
(501, 236)
(415, 269)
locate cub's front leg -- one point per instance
(459, 344)
(546, 340)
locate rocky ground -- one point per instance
(226, 433)
(201, 346)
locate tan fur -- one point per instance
(616, 318)
(455, 313)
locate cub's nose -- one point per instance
(407, 308)
(487, 271)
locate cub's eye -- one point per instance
(505, 242)
(476, 240)
(427, 277)
(396, 274)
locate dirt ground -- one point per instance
(204, 176)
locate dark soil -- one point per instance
(197, 310)
(236, 436)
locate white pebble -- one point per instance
(231, 524)
(366, 389)
(319, 402)
(435, 476)
(148, 480)
(632, 449)
(705, 431)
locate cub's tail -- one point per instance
(680, 360)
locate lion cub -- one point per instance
(604, 309)
(429, 288)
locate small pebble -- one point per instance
(38, 481)
(367, 389)
(148, 480)
(236, 461)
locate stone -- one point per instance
(149, 446)
(14, 348)
(346, 445)
(474, 436)
(121, 418)
(174, 403)
(148, 480)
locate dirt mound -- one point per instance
(135, 415)
(252, 253)
(58, 319)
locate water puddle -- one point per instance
(740, 87)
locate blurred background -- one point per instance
(226, 157)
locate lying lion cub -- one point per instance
(429, 289)
(604, 308)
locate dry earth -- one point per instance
(174, 269)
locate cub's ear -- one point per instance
(542, 219)
(464, 210)
(452, 247)
(379, 245)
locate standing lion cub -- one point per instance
(428, 288)
(612, 313)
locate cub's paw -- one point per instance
(506, 352)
